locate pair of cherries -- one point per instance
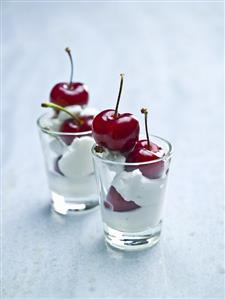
(120, 132)
(143, 151)
(67, 94)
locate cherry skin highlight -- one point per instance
(116, 202)
(142, 153)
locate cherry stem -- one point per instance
(119, 95)
(145, 112)
(68, 51)
(60, 108)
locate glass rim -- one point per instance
(58, 133)
(167, 156)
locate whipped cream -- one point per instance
(112, 156)
(77, 166)
(52, 124)
(133, 186)
(77, 161)
(70, 167)
(147, 193)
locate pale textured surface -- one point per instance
(172, 55)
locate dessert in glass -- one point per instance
(66, 138)
(131, 176)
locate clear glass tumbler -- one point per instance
(69, 166)
(132, 197)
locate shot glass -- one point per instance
(132, 197)
(69, 167)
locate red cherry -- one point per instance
(72, 93)
(145, 151)
(115, 202)
(115, 131)
(144, 144)
(70, 126)
(141, 153)
(74, 124)
(65, 94)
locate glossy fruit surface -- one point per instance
(142, 153)
(116, 133)
(65, 94)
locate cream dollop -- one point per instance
(77, 160)
(114, 157)
(133, 186)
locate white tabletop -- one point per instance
(172, 56)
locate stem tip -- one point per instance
(144, 110)
(67, 49)
(44, 105)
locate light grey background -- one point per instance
(172, 55)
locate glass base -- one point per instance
(64, 205)
(132, 241)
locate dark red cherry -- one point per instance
(71, 126)
(142, 154)
(65, 94)
(72, 93)
(116, 131)
(145, 151)
(116, 202)
(144, 144)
